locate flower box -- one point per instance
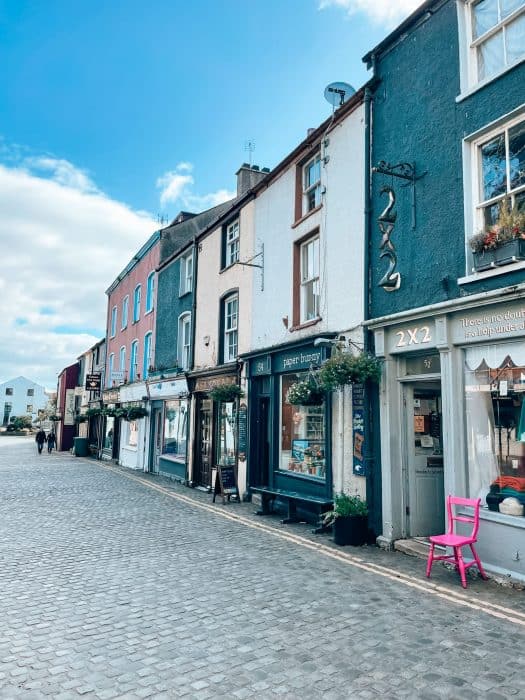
(484, 260)
(510, 251)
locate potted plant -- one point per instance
(349, 520)
(501, 243)
(306, 392)
(483, 247)
(226, 393)
(345, 368)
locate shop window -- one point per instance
(175, 429)
(495, 421)
(109, 433)
(133, 433)
(227, 433)
(303, 439)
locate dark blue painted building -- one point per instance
(446, 301)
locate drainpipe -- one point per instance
(189, 409)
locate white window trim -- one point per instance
(122, 368)
(184, 318)
(184, 287)
(468, 68)
(227, 333)
(302, 315)
(111, 367)
(146, 361)
(150, 297)
(471, 173)
(113, 322)
(133, 374)
(136, 307)
(125, 316)
(306, 190)
(233, 242)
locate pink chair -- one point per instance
(456, 542)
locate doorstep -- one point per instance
(413, 547)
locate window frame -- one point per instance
(307, 281)
(125, 312)
(137, 298)
(133, 360)
(147, 352)
(113, 322)
(232, 243)
(150, 292)
(111, 362)
(183, 349)
(30, 392)
(229, 332)
(308, 188)
(186, 281)
(9, 391)
(122, 356)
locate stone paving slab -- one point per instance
(114, 589)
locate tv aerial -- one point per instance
(338, 93)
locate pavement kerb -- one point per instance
(451, 595)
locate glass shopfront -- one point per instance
(175, 429)
(302, 446)
(227, 433)
(495, 412)
(109, 433)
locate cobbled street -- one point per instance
(116, 584)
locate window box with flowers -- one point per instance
(500, 244)
(305, 392)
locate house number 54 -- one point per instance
(413, 336)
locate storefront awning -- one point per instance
(495, 356)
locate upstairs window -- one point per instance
(146, 362)
(312, 184)
(309, 276)
(501, 172)
(150, 291)
(133, 360)
(122, 359)
(29, 408)
(125, 312)
(9, 391)
(230, 324)
(30, 392)
(184, 341)
(497, 35)
(136, 303)
(113, 325)
(186, 274)
(232, 243)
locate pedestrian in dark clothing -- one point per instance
(40, 438)
(51, 441)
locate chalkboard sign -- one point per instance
(225, 483)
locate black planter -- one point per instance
(351, 529)
(484, 260)
(510, 251)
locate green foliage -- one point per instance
(344, 368)
(345, 506)
(54, 418)
(135, 412)
(509, 226)
(226, 393)
(21, 422)
(306, 392)
(81, 418)
(92, 412)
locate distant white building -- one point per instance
(21, 397)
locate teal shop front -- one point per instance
(289, 445)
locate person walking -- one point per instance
(40, 438)
(51, 441)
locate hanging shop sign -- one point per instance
(358, 428)
(93, 381)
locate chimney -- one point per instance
(248, 176)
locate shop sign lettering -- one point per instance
(494, 324)
(413, 336)
(301, 360)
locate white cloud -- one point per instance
(63, 242)
(387, 12)
(176, 187)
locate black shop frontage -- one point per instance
(289, 445)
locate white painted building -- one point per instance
(22, 397)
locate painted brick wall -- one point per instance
(169, 307)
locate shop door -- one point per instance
(204, 444)
(261, 472)
(424, 476)
(157, 441)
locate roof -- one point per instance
(424, 11)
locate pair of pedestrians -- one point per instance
(41, 438)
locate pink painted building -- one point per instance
(131, 318)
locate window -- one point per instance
(133, 361)
(303, 444)
(133, 433)
(30, 392)
(309, 275)
(113, 328)
(9, 391)
(495, 422)
(186, 274)
(125, 311)
(146, 361)
(184, 341)
(501, 172)
(122, 360)
(29, 408)
(230, 321)
(232, 243)
(312, 184)
(111, 360)
(8, 407)
(150, 290)
(136, 303)
(497, 36)
(227, 433)
(175, 429)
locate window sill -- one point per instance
(174, 458)
(479, 86)
(184, 294)
(228, 267)
(306, 216)
(146, 313)
(306, 324)
(496, 272)
(497, 517)
(124, 328)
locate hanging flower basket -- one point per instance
(344, 368)
(109, 412)
(81, 418)
(135, 412)
(226, 393)
(306, 392)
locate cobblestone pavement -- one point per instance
(116, 584)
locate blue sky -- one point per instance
(114, 112)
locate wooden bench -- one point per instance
(292, 498)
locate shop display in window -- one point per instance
(227, 433)
(175, 429)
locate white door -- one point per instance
(424, 492)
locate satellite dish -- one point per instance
(338, 93)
